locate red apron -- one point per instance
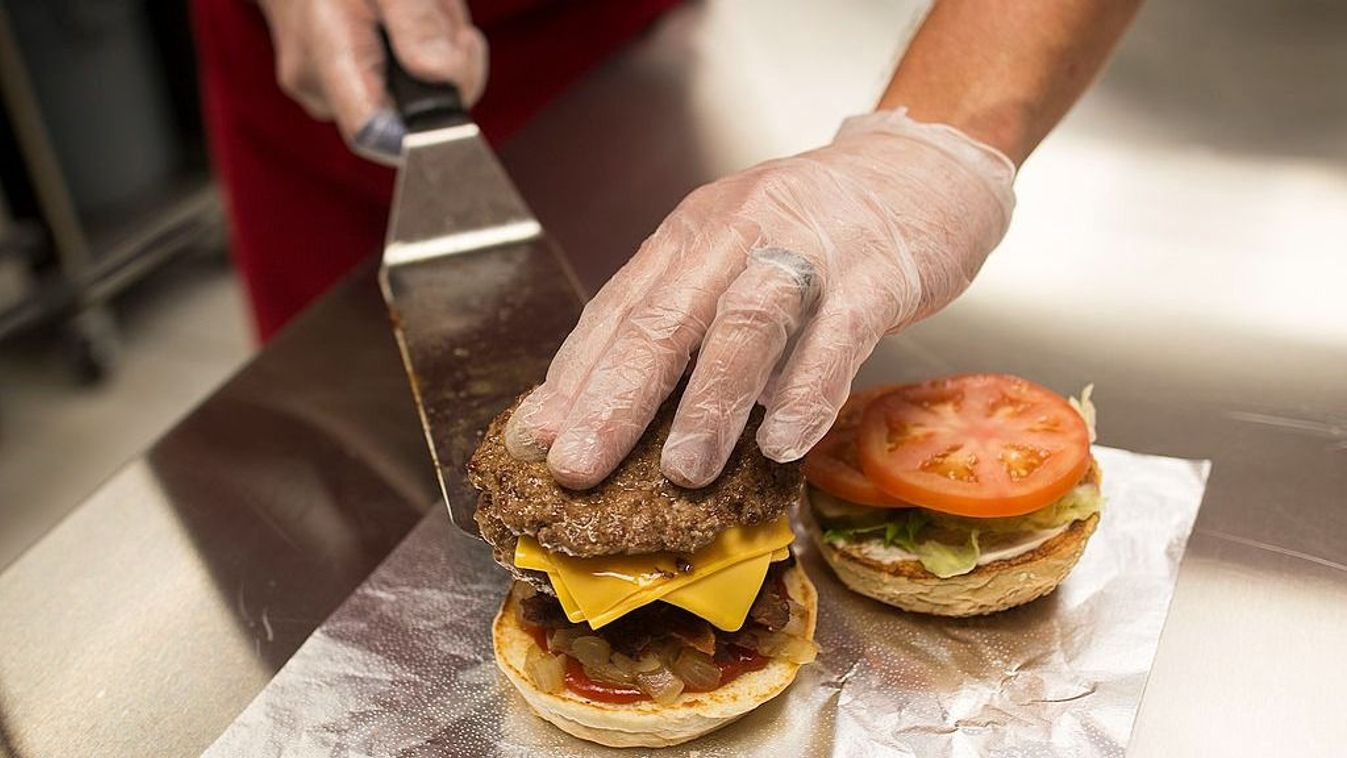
(302, 209)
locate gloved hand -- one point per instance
(791, 272)
(330, 59)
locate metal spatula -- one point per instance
(480, 299)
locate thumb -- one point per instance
(351, 68)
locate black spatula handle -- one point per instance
(423, 105)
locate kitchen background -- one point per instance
(119, 310)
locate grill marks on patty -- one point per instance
(635, 510)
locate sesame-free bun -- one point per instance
(993, 587)
(646, 723)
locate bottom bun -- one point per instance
(993, 587)
(647, 724)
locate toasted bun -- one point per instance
(647, 724)
(986, 589)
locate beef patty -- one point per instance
(635, 510)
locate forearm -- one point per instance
(1005, 72)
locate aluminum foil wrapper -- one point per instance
(405, 666)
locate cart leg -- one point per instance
(92, 344)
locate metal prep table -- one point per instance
(1174, 245)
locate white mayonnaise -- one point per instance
(1028, 542)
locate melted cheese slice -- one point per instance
(720, 587)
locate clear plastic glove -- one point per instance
(330, 59)
(784, 277)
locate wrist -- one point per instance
(1007, 125)
(1005, 73)
(985, 161)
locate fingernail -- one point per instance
(689, 461)
(522, 442)
(524, 438)
(574, 460)
(529, 433)
(380, 139)
(779, 446)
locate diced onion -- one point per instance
(795, 626)
(561, 639)
(761, 640)
(666, 652)
(644, 664)
(647, 663)
(781, 645)
(607, 672)
(799, 650)
(697, 670)
(591, 650)
(660, 684)
(526, 591)
(624, 662)
(546, 671)
(699, 637)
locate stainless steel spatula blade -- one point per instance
(480, 299)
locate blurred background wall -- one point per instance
(117, 308)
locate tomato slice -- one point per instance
(833, 464)
(974, 445)
(849, 418)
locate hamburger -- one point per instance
(643, 613)
(958, 496)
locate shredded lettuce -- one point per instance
(886, 531)
(1076, 505)
(905, 535)
(899, 528)
(946, 560)
(1085, 408)
(956, 552)
(835, 509)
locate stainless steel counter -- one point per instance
(1179, 242)
(156, 610)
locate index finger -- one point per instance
(639, 369)
(536, 423)
(755, 319)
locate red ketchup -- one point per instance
(739, 660)
(578, 681)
